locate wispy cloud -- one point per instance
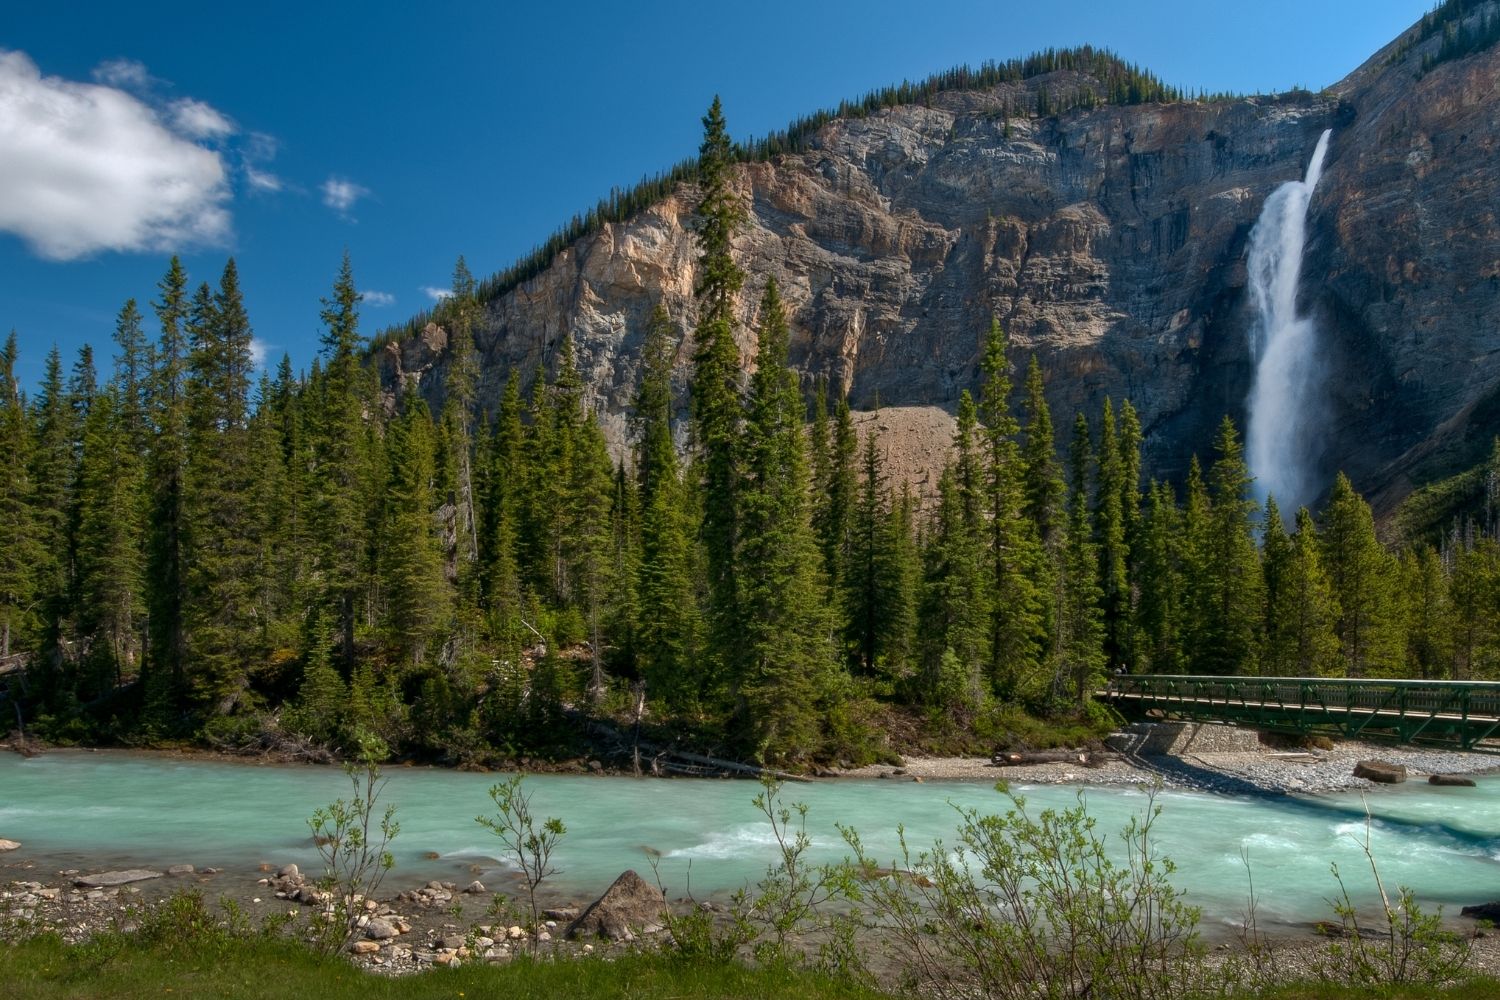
(340, 194)
(435, 293)
(259, 351)
(89, 167)
(379, 298)
(261, 180)
(198, 120)
(127, 73)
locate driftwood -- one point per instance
(672, 761)
(1018, 759)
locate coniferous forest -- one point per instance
(189, 552)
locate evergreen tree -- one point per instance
(461, 310)
(1113, 549)
(717, 408)
(1018, 625)
(107, 590)
(52, 466)
(1475, 590)
(166, 574)
(1427, 611)
(1360, 571)
(1045, 492)
(955, 613)
(222, 546)
(1310, 603)
(412, 560)
(1159, 626)
(787, 652)
(1229, 565)
(19, 551)
(667, 627)
(1078, 657)
(343, 466)
(132, 378)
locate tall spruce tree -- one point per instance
(412, 559)
(1158, 617)
(1230, 565)
(166, 574)
(1427, 611)
(790, 660)
(717, 410)
(1019, 619)
(668, 624)
(1305, 609)
(19, 551)
(1361, 572)
(344, 469)
(222, 548)
(1078, 656)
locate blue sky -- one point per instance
(284, 133)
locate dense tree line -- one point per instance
(188, 551)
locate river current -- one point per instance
(91, 810)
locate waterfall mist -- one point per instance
(1284, 405)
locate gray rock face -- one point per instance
(1110, 242)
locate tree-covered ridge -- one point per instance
(1111, 80)
(1466, 27)
(302, 561)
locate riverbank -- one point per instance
(1264, 771)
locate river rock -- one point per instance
(378, 929)
(9, 845)
(106, 879)
(562, 914)
(289, 871)
(630, 906)
(1380, 771)
(1483, 911)
(474, 888)
(1451, 780)
(181, 870)
(364, 947)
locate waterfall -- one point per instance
(1280, 443)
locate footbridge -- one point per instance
(1457, 715)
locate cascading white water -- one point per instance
(1280, 444)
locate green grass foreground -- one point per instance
(46, 969)
(116, 968)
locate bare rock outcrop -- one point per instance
(629, 907)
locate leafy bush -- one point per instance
(1032, 906)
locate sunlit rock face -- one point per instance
(1110, 242)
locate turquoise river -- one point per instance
(78, 809)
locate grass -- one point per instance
(124, 967)
(117, 967)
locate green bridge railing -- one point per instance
(1462, 715)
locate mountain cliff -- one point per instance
(1109, 239)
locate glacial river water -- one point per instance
(90, 810)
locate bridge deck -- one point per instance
(1455, 714)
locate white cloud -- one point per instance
(436, 294)
(85, 168)
(262, 180)
(128, 73)
(340, 194)
(379, 298)
(198, 120)
(259, 351)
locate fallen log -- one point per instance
(727, 765)
(1019, 759)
